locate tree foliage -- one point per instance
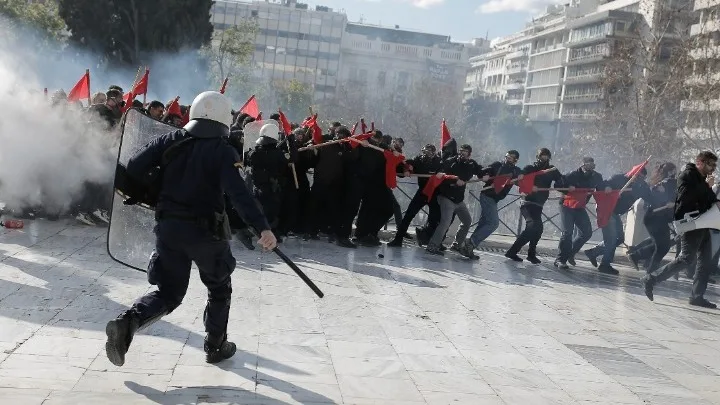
(20, 16)
(294, 97)
(228, 55)
(129, 31)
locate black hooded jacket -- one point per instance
(544, 180)
(661, 194)
(496, 169)
(580, 179)
(450, 149)
(464, 170)
(422, 164)
(693, 192)
(639, 189)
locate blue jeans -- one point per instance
(489, 220)
(613, 236)
(571, 218)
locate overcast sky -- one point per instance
(461, 19)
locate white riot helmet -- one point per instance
(270, 130)
(212, 106)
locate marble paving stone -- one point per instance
(404, 330)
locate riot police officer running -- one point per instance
(192, 226)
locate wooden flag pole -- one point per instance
(87, 73)
(632, 179)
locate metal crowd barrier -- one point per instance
(511, 222)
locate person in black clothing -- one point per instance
(423, 234)
(572, 211)
(658, 215)
(266, 174)
(331, 164)
(451, 196)
(376, 209)
(428, 162)
(397, 145)
(489, 218)
(613, 235)
(532, 206)
(189, 212)
(694, 195)
(110, 111)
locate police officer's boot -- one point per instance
(217, 350)
(120, 334)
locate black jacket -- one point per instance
(464, 170)
(330, 163)
(496, 169)
(661, 194)
(580, 179)
(693, 193)
(370, 166)
(639, 189)
(194, 181)
(422, 164)
(541, 181)
(267, 166)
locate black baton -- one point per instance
(294, 267)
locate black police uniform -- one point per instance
(189, 214)
(267, 169)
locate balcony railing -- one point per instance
(513, 101)
(590, 77)
(513, 69)
(591, 57)
(514, 86)
(517, 54)
(589, 97)
(587, 116)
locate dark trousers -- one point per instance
(571, 218)
(328, 203)
(354, 193)
(695, 251)
(178, 244)
(270, 198)
(433, 218)
(397, 210)
(533, 231)
(417, 203)
(375, 211)
(613, 236)
(660, 242)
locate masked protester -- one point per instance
(581, 182)
(658, 215)
(531, 207)
(423, 234)
(428, 162)
(451, 198)
(266, 173)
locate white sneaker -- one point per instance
(85, 219)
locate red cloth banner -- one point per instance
(285, 123)
(527, 183)
(444, 134)
(636, 169)
(141, 87)
(606, 203)
(501, 181)
(391, 164)
(81, 90)
(433, 183)
(576, 198)
(251, 108)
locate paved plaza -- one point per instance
(399, 330)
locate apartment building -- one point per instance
(703, 103)
(389, 61)
(293, 41)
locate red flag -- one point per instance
(606, 203)
(251, 108)
(391, 164)
(354, 128)
(636, 169)
(361, 137)
(433, 183)
(185, 117)
(576, 198)
(363, 127)
(284, 121)
(141, 86)
(224, 84)
(174, 108)
(311, 123)
(444, 134)
(81, 90)
(500, 181)
(128, 99)
(527, 183)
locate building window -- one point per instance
(382, 78)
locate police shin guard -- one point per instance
(120, 333)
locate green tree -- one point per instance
(228, 55)
(43, 17)
(294, 98)
(128, 31)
